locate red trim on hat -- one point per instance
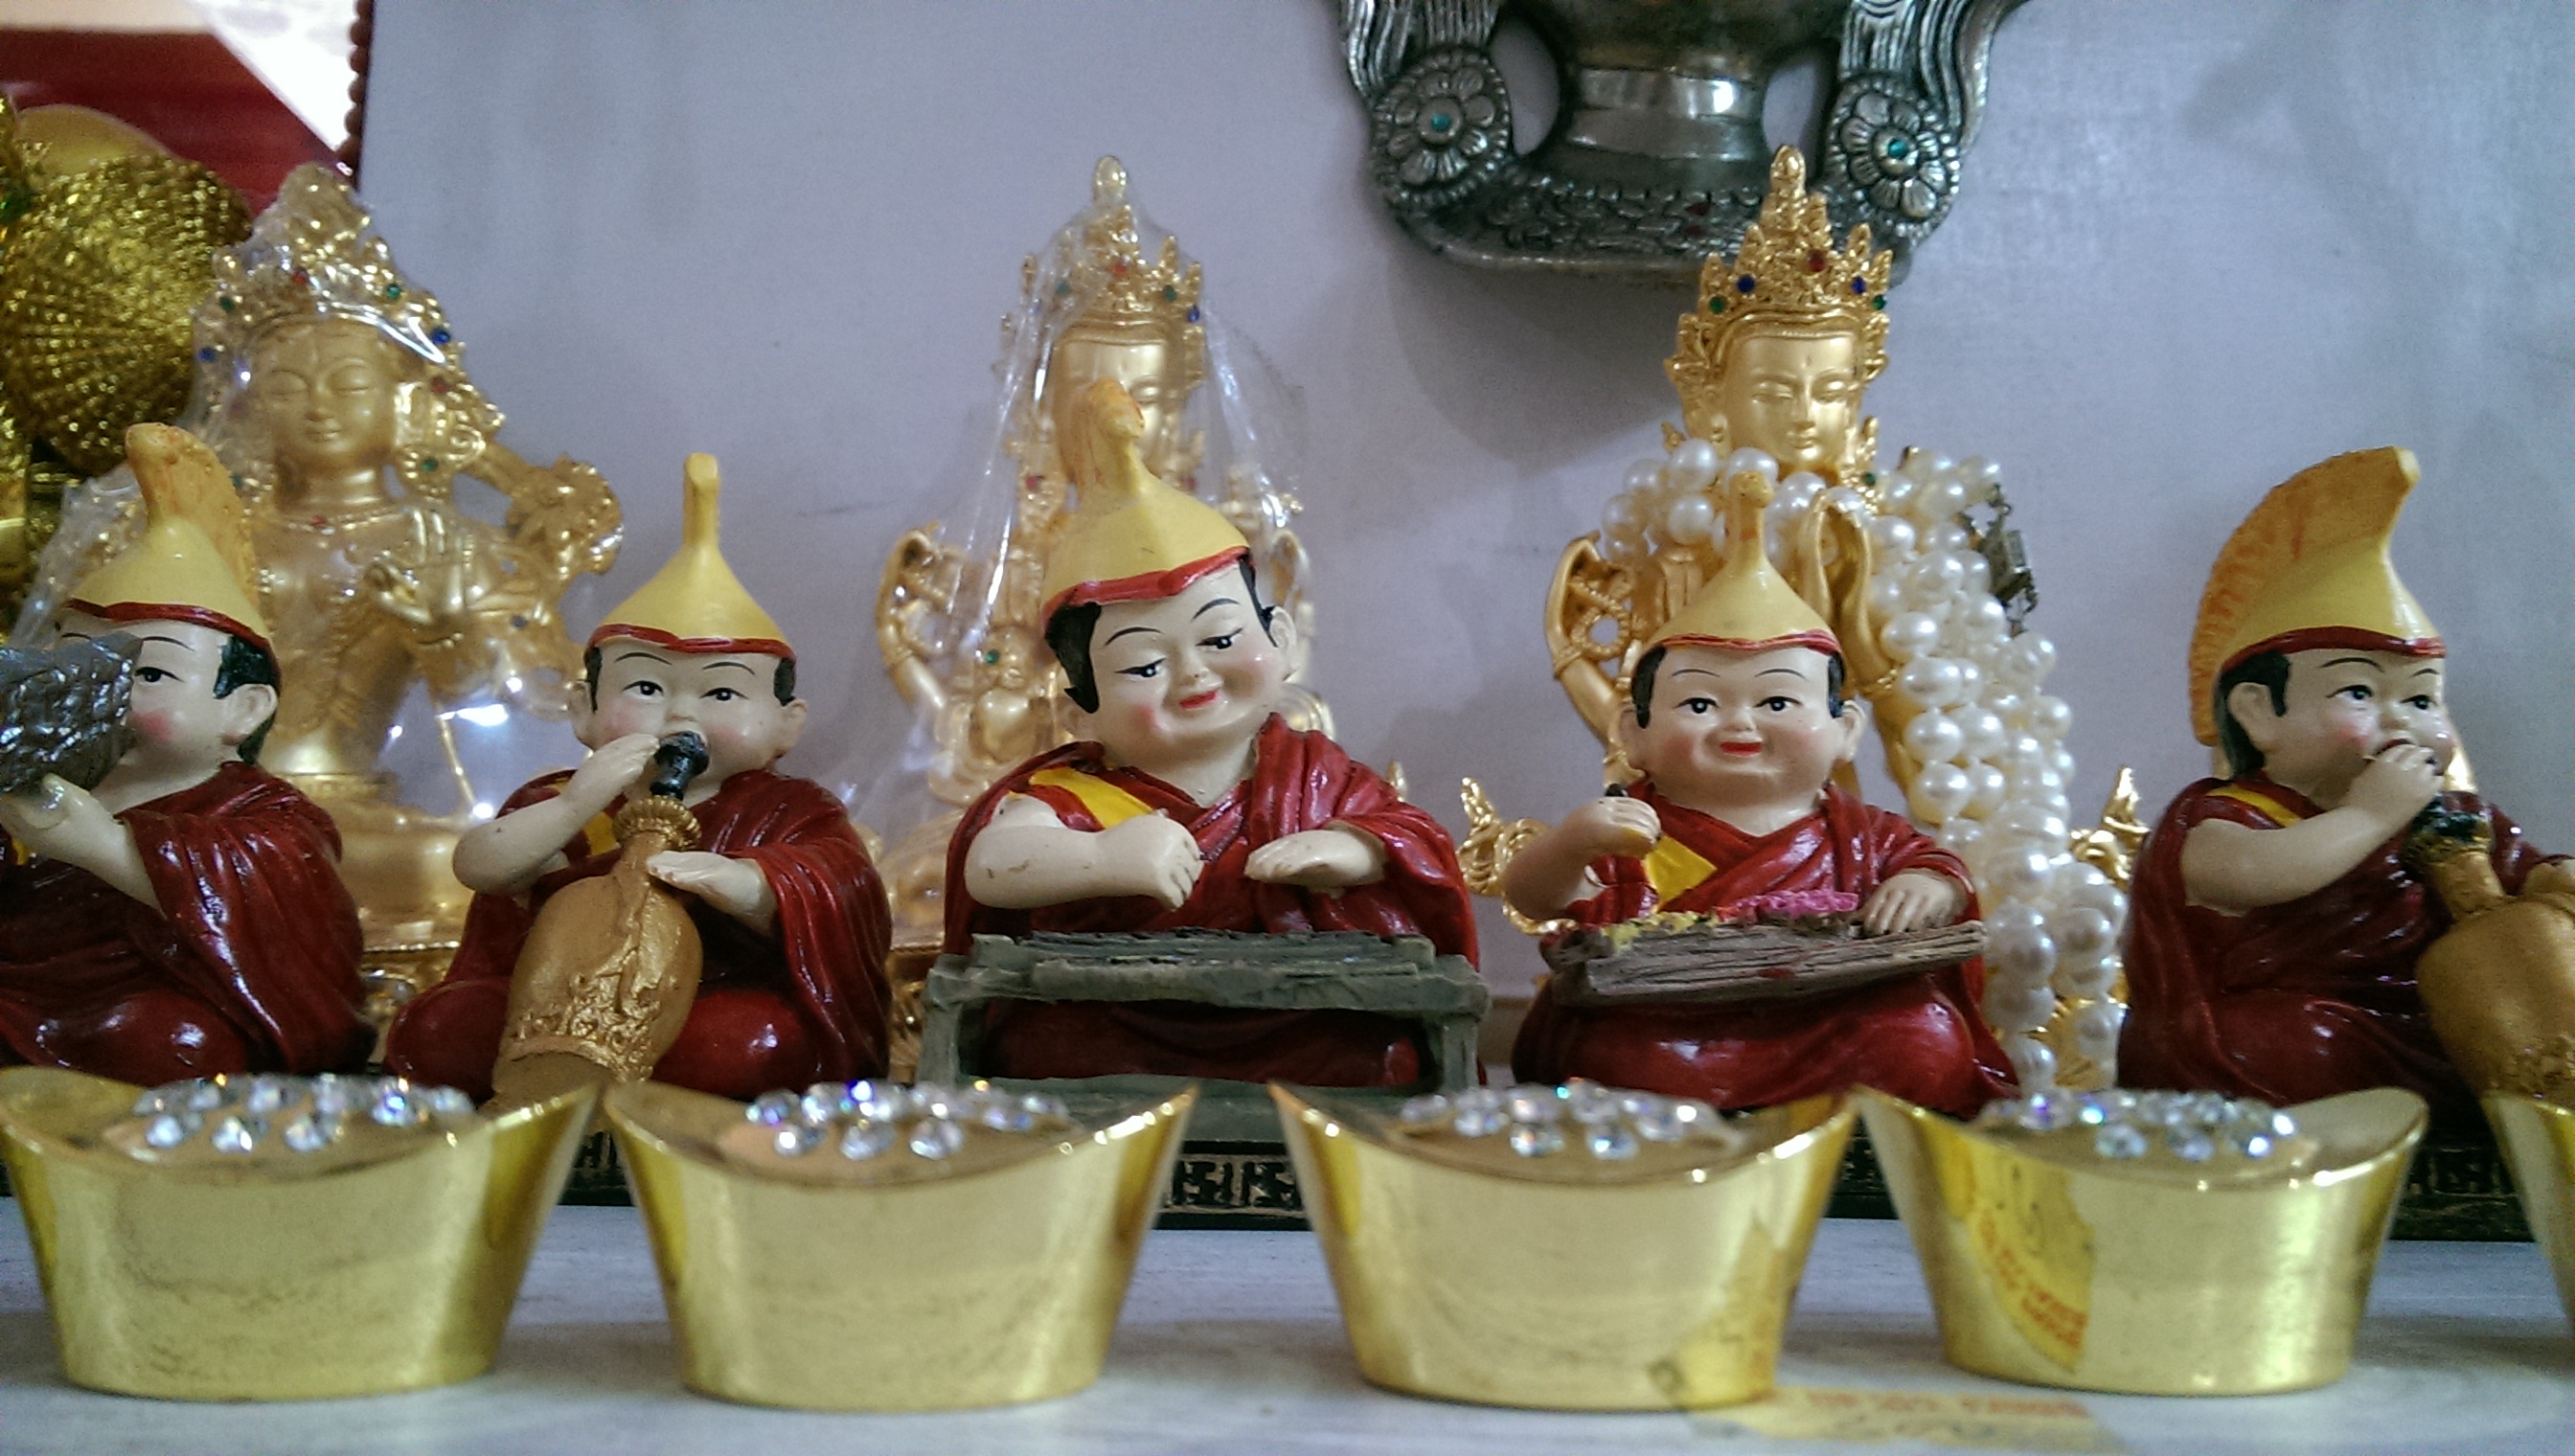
(1822, 642)
(1150, 587)
(702, 645)
(2350, 638)
(172, 612)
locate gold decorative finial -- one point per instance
(1790, 274)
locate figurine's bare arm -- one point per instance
(64, 822)
(1553, 871)
(1916, 899)
(512, 851)
(2235, 868)
(1026, 858)
(1335, 856)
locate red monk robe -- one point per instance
(254, 966)
(2293, 1002)
(803, 1004)
(1918, 1037)
(1300, 781)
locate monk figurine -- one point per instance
(185, 917)
(1187, 800)
(2276, 926)
(1741, 714)
(787, 906)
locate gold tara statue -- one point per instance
(1924, 597)
(336, 393)
(959, 613)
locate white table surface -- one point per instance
(1230, 1343)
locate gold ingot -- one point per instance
(1465, 1272)
(2056, 1267)
(2538, 1138)
(273, 1283)
(995, 1282)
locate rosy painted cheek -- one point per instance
(153, 726)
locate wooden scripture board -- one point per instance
(1613, 964)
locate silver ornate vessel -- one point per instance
(1656, 157)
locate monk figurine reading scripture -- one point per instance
(1188, 800)
(185, 917)
(2276, 927)
(786, 907)
(1741, 716)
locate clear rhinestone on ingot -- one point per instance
(308, 1134)
(232, 1135)
(1589, 1103)
(1478, 1121)
(1042, 1106)
(1424, 1112)
(395, 1107)
(330, 1095)
(1535, 1139)
(1659, 1122)
(1533, 1104)
(1006, 1114)
(169, 1130)
(154, 1101)
(1610, 1141)
(771, 1108)
(205, 1096)
(879, 1101)
(2190, 1144)
(2120, 1140)
(794, 1140)
(447, 1102)
(264, 1094)
(935, 1139)
(865, 1140)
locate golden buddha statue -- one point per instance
(334, 390)
(1772, 365)
(958, 618)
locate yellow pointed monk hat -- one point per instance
(1133, 537)
(694, 603)
(1746, 606)
(2309, 568)
(194, 560)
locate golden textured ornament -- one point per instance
(2538, 1137)
(1468, 1269)
(267, 1280)
(992, 1278)
(2051, 1265)
(95, 291)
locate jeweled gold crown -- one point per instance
(1787, 273)
(1108, 288)
(315, 254)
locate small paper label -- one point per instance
(1944, 1418)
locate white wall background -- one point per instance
(2202, 245)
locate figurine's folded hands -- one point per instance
(2234, 867)
(1026, 857)
(1551, 871)
(1917, 900)
(61, 821)
(511, 852)
(734, 886)
(1335, 856)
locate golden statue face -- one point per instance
(326, 392)
(1794, 397)
(1142, 364)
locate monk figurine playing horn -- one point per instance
(687, 702)
(2284, 910)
